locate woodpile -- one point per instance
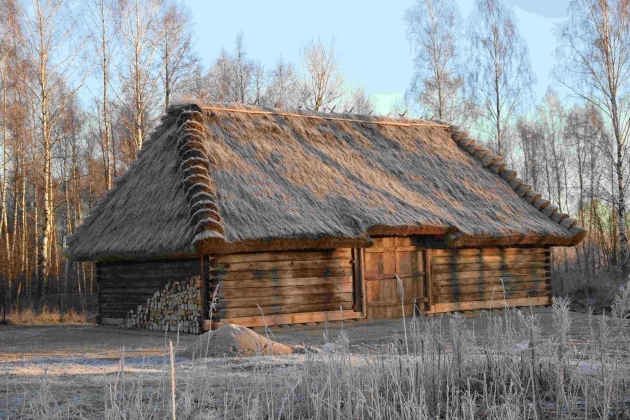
(178, 306)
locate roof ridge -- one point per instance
(346, 117)
(203, 213)
(496, 165)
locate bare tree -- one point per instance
(284, 86)
(180, 63)
(100, 28)
(530, 135)
(594, 62)
(235, 78)
(140, 31)
(359, 103)
(323, 83)
(500, 79)
(48, 30)
(432, 32)
(9, 35)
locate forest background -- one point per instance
(82, 83)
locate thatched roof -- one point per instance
(237, 179)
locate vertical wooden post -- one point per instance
(363, 283)
(429, 280)
(357, 280)
(204, 291)
(548, 275)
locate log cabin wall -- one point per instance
(122, 286)
(289, 287)
(466, 279)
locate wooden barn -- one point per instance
(251, 216)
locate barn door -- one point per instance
(387, 258)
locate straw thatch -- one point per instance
(238, 179)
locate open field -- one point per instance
(550, 363)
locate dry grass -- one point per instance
(504, 370)
(48, 316)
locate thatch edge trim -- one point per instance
(206, 223)
(525, 191)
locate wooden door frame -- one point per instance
(358, 280)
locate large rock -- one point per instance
(232, 340)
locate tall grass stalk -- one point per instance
(401, 291)
(504, 368)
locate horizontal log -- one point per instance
(284, 291)
(284, 265)
(449, 268)
(123, 299)
(153, 274)
(377, 250)
(486, 259)
(526, 285)
(312, 281)
(499, 294)
(300, 318)
(112, 321)
(284, 300)
(378, 303)
(284, 256)
(488, 273)
(123, 284)
(103, 291)
(282, 274)
(492, 280)
(284, 309)
(490, 304)
(487, 251)
(375, 277)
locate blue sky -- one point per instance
(370, 36)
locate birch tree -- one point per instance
(139, 29)
(180, 63)
(47, 34)
(100, 28)
(323, 82)
(432, 33)
(501, 77)
(284, 87)
(594, 63)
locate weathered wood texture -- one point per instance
(125, 285)
(283, 284)
(487, 275)
(382, 262)
(296, 318)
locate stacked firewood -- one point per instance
(178, 307)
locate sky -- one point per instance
(369, 35)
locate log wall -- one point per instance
(122, 286)
(288, 287)
(520, 275)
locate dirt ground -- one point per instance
(18, 342)
(77, 366)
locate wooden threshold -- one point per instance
(299, 318)
(490, 304)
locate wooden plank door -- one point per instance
(386, 259)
